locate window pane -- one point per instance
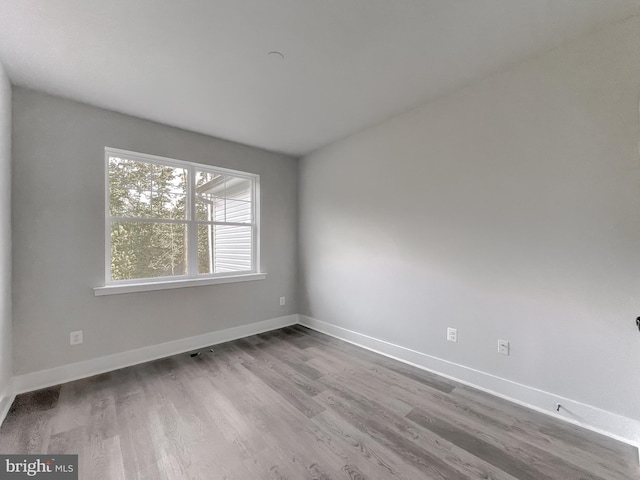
(238, 188)
(209, 197)
(210, 209)
(211, 184)
(169, 192)
(147, 250)
(169, 179)
(146, 190)
(238, 211)
(129, 187)
(223, 248)
(223, 198)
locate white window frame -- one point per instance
(192, 277)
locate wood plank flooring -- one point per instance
(296, 404)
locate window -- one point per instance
(169, 220)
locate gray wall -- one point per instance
(5, 232)
(510, 209)
(58, 236)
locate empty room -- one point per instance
(355, 239)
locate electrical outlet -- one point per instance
(75, 338)
(452, 334)
(282, 301)
(503, 347)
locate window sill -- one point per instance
(167, 285)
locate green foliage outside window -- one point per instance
(151, 249)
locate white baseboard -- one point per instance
(593, 418)
(6, 400)
(601, 421)
(66, 373)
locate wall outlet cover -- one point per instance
(75, 338)
(452, 334)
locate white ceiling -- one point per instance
(203, 65)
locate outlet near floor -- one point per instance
(75, 338)
(503, 347)
(282, 301)
(452, 334)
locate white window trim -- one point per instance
(163, 283)
(170, 284)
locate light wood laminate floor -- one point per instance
(296, 404)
